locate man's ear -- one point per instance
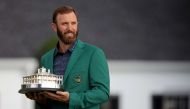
(54, 27)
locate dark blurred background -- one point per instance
(124, 29)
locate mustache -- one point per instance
(69, 32)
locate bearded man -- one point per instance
(83, 66)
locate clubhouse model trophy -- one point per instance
(43, 80)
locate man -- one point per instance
(84, 67)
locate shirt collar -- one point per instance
(70, 49)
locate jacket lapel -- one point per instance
(74, 57)
(51, 64)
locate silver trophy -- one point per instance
(41, 81)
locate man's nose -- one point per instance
(69, 27)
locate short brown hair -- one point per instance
(63, 10)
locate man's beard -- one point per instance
(67, 40)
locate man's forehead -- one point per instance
(70, 15)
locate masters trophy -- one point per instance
(43, 80)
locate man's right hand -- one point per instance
(37, 96)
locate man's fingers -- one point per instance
(29, 95)
(61, 93)
(49, 94)
(33, 96)
(59, 96)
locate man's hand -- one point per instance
(58, 96)
(37, 96)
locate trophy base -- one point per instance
(29, 90)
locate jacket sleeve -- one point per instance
(99, 83)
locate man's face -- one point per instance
(67, 27)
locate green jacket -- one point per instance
(86, 77)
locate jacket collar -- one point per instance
(70, 49)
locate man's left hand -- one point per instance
(58, 96)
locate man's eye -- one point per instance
(73, 23)
(64, 23)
